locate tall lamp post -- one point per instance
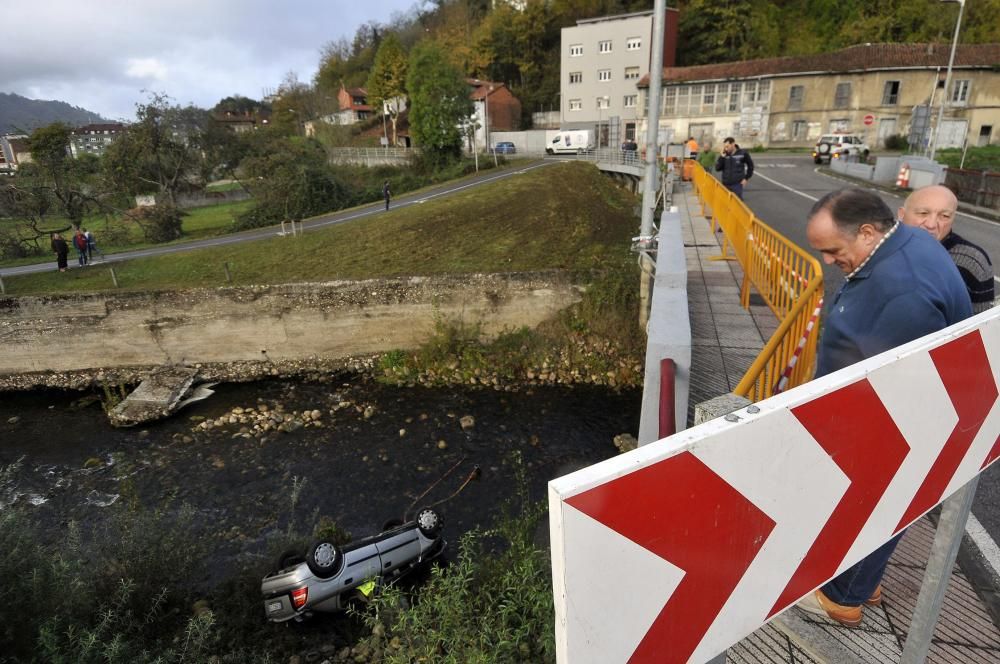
(946, 97)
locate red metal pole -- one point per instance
(668, 417)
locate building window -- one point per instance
(630, 131)
(603, 74)
(631, 73)
(604, 46)
(839, 125)
(669, 101)
(633, 43)
(960, 92)
(800, 130)
(603, 102)
(575, 50)
(576, 77)
(842, 97)
(734, 97)
(796, 94)
(576, 104)
(629, 101)
(890, 93)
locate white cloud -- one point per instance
(146, 68)
(102, 54)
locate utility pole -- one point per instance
(947, 79)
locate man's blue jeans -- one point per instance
(857, 583)
(736, 189)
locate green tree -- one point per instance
(387, 82)
(160, 153)
(439, 102)
(289, 179)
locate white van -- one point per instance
(572, 141)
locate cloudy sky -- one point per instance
(101, 54)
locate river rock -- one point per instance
(467, 422)
(442, 445)
(625, 442)
(14, 420)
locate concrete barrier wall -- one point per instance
(286, 322)
(669, 329)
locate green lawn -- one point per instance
(563, 216)
(114, 234)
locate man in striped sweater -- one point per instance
(933, 209)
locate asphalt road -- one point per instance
(781, 193)
(321, 221)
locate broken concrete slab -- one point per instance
(161, 393)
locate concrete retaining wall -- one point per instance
(287, 322)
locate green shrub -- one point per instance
(897, 142)
(159, 223)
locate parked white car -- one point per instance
(839, 146)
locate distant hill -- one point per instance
(19, 113)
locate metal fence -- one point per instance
(788, 279)
(980, 188)
(371, 156)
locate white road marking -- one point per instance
(785, 186)
(987, 546)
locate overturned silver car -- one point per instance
(329, 575)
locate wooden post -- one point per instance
(229, 276)
(114, 277)
(3, 289)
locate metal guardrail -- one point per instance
(364, 155)
(788, 279)
(981, 188)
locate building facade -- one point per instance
(353, 106)
(94, 138)
(495, 108)
(874, 90)
(601, 61)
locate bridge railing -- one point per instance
(788, 279)
(367, 155)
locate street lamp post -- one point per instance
(946, 97)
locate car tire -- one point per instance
(865, 155)
(823, 148)
(429, 523)
(324, 559)
(817, 160)
(290, 558)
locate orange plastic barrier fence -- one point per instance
(788, 279)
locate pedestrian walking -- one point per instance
(80, 243)
(933, 209)
(900, 285)
(61, 250)
(736, 166)
(91, 246)
(386, 194)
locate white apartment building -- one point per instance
(601, 63)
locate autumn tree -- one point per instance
(387, 82)
(439, 102)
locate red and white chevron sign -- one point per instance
(677, 550)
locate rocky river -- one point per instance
(342, 447)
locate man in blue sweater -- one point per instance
(900, 285)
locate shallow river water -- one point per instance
(374, 450)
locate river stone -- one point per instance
(14, 420)
(316, 414)
(625, 442)
(467, 422)
(442, 445)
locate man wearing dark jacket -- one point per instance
(736, 166)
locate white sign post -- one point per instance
(679, 549)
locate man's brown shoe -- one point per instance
(876, 598)
(819, 604)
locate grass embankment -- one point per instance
(986, 158)
(565, 216)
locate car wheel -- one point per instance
(865, 155)
(290, 558)
(429, 523)
(324, 559)
(817, 160)
(823, 148)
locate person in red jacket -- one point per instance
(80, 242)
